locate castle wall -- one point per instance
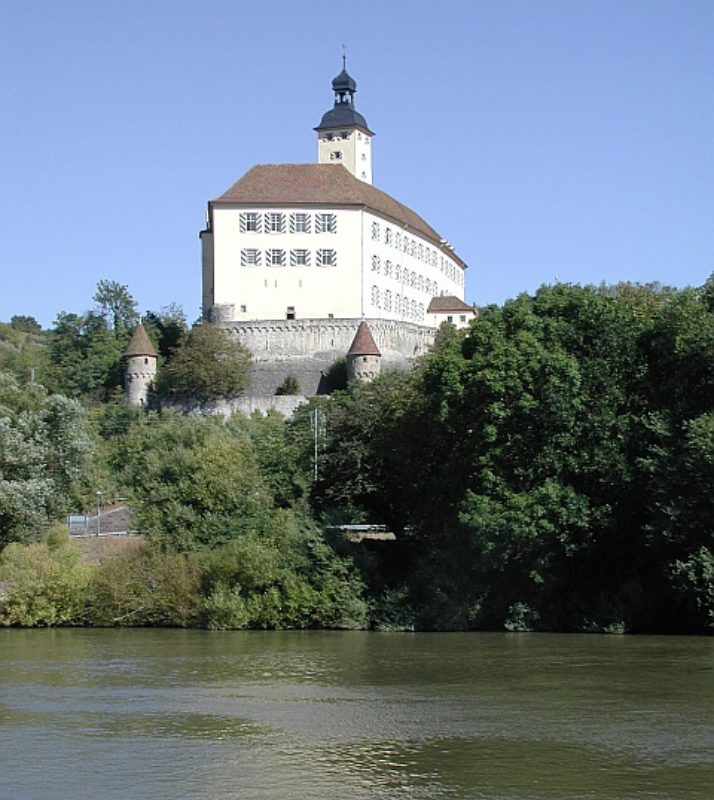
(308, 348)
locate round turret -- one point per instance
(363, 359)
(140, 371)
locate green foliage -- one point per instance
(45, 450)
(206, 365)
(193, 484)
(281, 575)
(22, 322)
(166, 327)
(290, 385)
(546, 468)
(117, 307)
(145, 587)
(335, 378)
(23, 353)
(42, 585)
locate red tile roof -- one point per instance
(447, 302)
(324, 185)
(363, 344)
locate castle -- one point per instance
(296, 256)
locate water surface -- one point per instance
(154, 714)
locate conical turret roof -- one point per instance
(363, 344)
(140, 344)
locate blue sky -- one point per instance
(546, 140)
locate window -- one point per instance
(375, 296)
(345, 134)
(275, 222)
(376, 264)
(249, 257)
(290, 313)
(299, 222)
(326, 258)
(249, 222)
(462, 318)
(300, 258)
(336, 155)
(388, 269)
(398, 272)
(398, 241)
(329, 137)
(387, 300)
(387, 235)
(375, 231)
(243, 309)
(449, 318)
(275, 258)
(326, 223)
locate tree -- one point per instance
(166, 327)
(206, 365)
(24, 323)
(116, 306)
(86, 351)
(45, 450)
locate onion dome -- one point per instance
(343, 114)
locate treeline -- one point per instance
(549, 468)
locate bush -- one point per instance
(43, 586)
(291, 385)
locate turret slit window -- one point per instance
(275, 222)
(299, 222)
(326, 223)
(275, 258)
(250, 222)
(250, 257)
(299, 258)
(326, 258)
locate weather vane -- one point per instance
(344, 56)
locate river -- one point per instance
(154, 714)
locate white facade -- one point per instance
(308, 263)
(350, 147)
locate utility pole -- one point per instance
(317, 424)
(99, 513)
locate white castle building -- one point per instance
(294, 256)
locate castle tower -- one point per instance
(342, 135)
(140, 369)
(363, 357)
